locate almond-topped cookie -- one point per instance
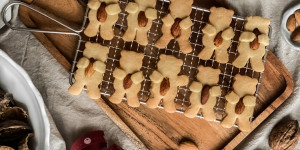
(204, 93)
(217, 35)
(128, 78)
(165, 81)
(90, 69)
(103, 15)
(240, 103)
(252, 43)
(177, 25)
(139, 20)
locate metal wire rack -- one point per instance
(199, 17)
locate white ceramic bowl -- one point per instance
(8, 13)
(14, 80)
(285, 33)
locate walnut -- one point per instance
(14, 128)
(284, 135)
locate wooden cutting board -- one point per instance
(158, 129)
(154, 127)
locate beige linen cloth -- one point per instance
(75, 115)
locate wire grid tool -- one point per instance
(199, 17)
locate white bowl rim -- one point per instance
(37, 94)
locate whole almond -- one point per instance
(291, 23)
(101, 13)
(188, 145)
(142, 19)
(127, 82)
(164, 86)
(239, 107)
(218, 39)
(254, 45)
(89, 70)
(205, 94)
(296, 35)
(284, 135)
(297, 16)
(175, 29)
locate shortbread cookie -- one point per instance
(139, 20)
(103, 15)
(252, 43)
(204, 93)
(244, 85)
(177, 25)
(128, 78)
(164, 82)
(90, 69)
(240, 103)
(217, 35)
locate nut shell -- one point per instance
(89, 70)
(254, 45)
(296, 35)
(142, 19)
(291, 23)
(14, 113)
(297, 16)
(12, 130)
(23, 144)
(218, 39)
(284, 135)
(6, 148)
(205, 94)
(175, 29)
(239, 107)
(188, 145)
(164, 86)
(101, 13)
(6, 100)
(127, 82)
(14, 127)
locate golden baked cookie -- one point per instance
(90, 69)
(252, 43)
(139, 20)
(103, 15)
(217, 35)
(204, 93)
(164, 82)
(177, 25)
(240, 103)
(128, 78)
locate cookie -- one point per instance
(103, 15)
(204, 93)
(139, 20)
(244, 85)
(240, 103)
(252, 43)
(164, 82)
(128, 78)
(177, 25)
(90, 70)
(217, 35)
